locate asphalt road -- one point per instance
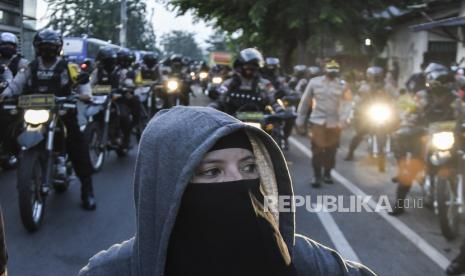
(410, 245)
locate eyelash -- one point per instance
(213, 172)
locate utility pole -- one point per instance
(124, 23)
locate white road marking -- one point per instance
(406, 231)
(335, 234)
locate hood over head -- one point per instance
(173, 144)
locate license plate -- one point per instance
(250, 116)
(46, 101)
(101, 89)
(442, 126)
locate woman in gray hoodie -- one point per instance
(3, 254)
(200, 183)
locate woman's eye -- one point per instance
(210, 172)
(250, 168)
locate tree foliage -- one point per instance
(288, 28)
(100, 19)
(181, 42)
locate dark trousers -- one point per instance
(128, 107)
(78, 150)
(7, 133)
(325, 142)
(356, 140)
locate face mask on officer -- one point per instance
(249, 71)
(7, 50)
(108, 64)
(332, 73)
(48, 52)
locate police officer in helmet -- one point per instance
(246, 87)
(9, 53)
(49, 73)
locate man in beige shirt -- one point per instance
(324, 95)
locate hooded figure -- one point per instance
(188, 227)
(3, 254)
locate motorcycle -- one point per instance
(381, 117)
(443, 185)
(9, 110)
(212, 87)
(145, 95)
(44, 163)
(170, 93)
(103, 130)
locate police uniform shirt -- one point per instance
(327, 96)
(24, 77)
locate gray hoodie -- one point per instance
(173, 144)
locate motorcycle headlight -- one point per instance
(443, 140)
(172, 85)
(217, 80)
(36, 117)
(203, 75)
(380, 113)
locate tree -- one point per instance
(217, 41)
(287, 28)
(181, 42)
(99, 18)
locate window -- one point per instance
(10, 19)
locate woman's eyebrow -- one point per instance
(210, 161)
(247, 158)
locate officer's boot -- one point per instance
(402, 192)
(87, 194)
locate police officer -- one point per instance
(48, 73)
(125, 59)
(9, 53)
(246, 87)
(371, 90)
(10, 63)
(149, 68)
(324, 94)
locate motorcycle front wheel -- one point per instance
(31, 197)
(448, 210)
(96, 149)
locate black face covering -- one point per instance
(219, 232)
(7, 51)
(48, 53)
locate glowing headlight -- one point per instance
(379, 113)
(443, 140)
(172, 85)
(203, 75)
(217, 80)
(36, 117)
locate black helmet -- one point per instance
(251, 56)
(176, 58)
(48, 36)
(48, 43)
(8, 38)
(438, 74)
(150, 59)
(376, 73)
(313, 71)
(125, 58)
(106, 56)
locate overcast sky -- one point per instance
(164, 21)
